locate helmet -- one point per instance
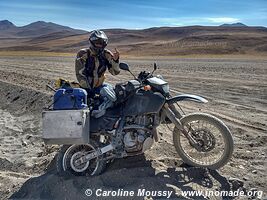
(98, 40)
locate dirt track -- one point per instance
(237, 93)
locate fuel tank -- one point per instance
(143, 102)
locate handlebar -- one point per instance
(144, 76)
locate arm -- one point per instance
(80, 68)
(113, 61)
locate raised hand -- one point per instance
(116, 54)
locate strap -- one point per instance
(89, 68)
(103, 64)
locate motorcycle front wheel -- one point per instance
(214, 142)
(68, 154)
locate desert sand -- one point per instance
(235, 87)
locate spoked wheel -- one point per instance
(68, 155)
(214, 142)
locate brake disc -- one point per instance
(205, 140)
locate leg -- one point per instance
(107, 98)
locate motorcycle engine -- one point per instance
(138, 135)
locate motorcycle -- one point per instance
(129, 128)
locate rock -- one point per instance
(236, 183)
(39, 154)
(28, 137)
(254, 171)
(241, 167)
(24, 143)
(251, 145)
(245, 178)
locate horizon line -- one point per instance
(88, 30)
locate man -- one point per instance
(90, 66)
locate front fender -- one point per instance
(187, 97)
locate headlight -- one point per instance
(166, 88)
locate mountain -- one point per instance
(35, 29)
(43, 28)
(238, 24)
(5, 24)
(171, 41)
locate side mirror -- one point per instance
(124, 66)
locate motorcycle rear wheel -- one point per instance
(203, 128)
(65, 161)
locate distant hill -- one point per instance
(238, 24)
(225, 39)
(5, 24)
(35, 29)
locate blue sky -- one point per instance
(135, 14)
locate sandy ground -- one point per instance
(237, 93)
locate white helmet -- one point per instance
(98, 40)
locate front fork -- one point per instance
(171, 112)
